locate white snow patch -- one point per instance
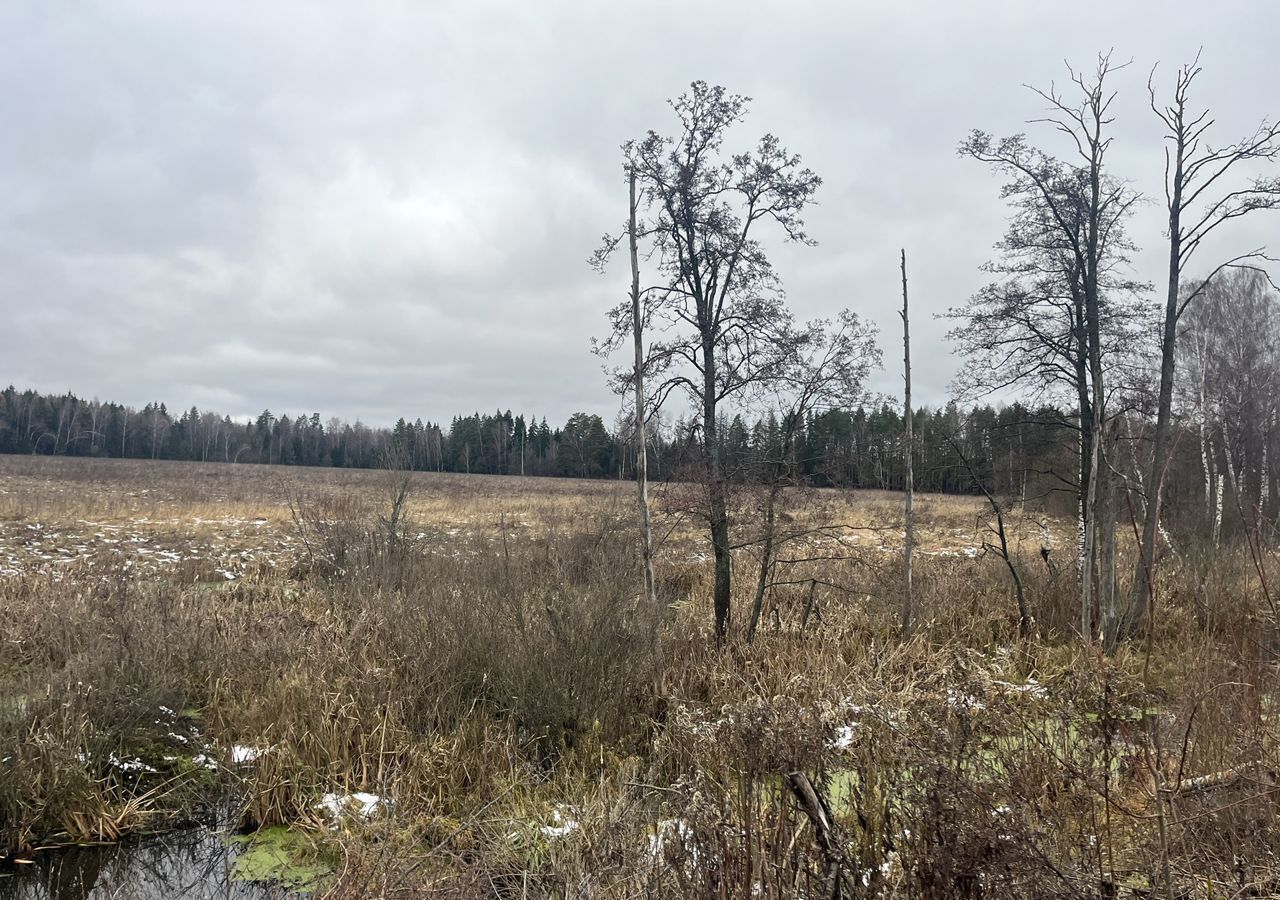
(203, 759)
(1032, 688)
(563, 823)
(360, 804)
(240, 755)
(963, 700)
(129, 764)
(669, 832)
(844, 737)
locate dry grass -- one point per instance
(209, 517)
(484, 662)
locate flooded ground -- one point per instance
(195, 864)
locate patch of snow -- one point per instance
(240, 755)
(360, 804)
(844, 737)
(564, 824)
(962, 700)
(129, 764)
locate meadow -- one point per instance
(440, 685)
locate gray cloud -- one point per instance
(384, 209)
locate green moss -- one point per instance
(279, 856)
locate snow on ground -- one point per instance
(360, 804)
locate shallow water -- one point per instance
(184, 865)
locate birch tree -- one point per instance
(1230, 381)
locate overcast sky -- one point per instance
(380, 209)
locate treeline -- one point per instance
(1004, 446)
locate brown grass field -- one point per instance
(215, 517)
(480, 662)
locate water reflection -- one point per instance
(183, 865)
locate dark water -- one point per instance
(194, 864)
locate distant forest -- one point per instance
(861, 447)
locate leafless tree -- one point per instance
(1199, 200)
(96, 413)
(1027, 329)
(1001, 534)
(1231, 382)
(719, 325)
(1084, 222)
(829, 373)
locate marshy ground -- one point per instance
(467, 696)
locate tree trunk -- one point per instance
(1144, 574)
(642, 466)
(766, 556)
(908, 600)
(717, 502)
(1105, 514)
(1086, 431)
(1202, 420)
(1089, 584)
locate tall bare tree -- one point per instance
(720, 327)
(1084, 221)
(1027, 329)
(1199, 200)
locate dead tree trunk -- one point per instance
(1025, 621)
(908, 600)
(766, 555)
(642, 464)
(1192, 166)
(824, 829)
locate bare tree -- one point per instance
(1028, 329)
(1085, 221)
(1231, 382)
(828, 373)
(1001, 549)
(1198, 203)
(720, 326)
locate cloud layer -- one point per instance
(385, 209)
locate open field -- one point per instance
(465, 694)
(220, 521)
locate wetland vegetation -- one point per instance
(475, 701)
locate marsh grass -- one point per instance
(484, 664)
